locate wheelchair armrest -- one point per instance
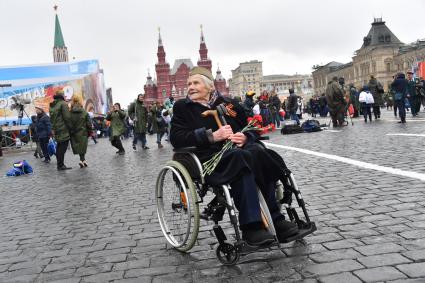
(189, 149)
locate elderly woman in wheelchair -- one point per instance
(249, 176)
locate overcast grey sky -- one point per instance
(288, 36)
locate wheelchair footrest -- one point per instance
(244, 248)
(304, 231)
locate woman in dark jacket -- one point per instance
(117, 128)
(80, 129)
(43, 127)
(237, 166)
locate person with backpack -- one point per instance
(61, 123)
(399, 86)
(375, 87)
(139, 114)
(366, 101)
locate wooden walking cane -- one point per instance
(213, 113)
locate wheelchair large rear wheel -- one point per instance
(177, 206)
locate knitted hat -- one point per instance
(201, 71)
(60, 92)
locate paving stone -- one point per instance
(413, 269)
(376, 274)
(416, 255)
(331, 267)
(334, 255)
(150, 271)
(379, 249)
(132, 264)
(381, 260)
(343, 244)
(104, 277)
(345, 277)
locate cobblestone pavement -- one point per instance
(99, 224)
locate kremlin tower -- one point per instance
(60, 52)
(172, 81)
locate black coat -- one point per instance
(43, 126)
(189, 128)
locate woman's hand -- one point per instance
(222, 133)
(239, 139)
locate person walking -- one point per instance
(336, 102)
(375, 87)
(158, 123)
(399, 85)
(366, 100)
(61, 119)
(412, 95)
(139, 114)
(81, 129)
(34, 137)
(43, 128)
(116, 116)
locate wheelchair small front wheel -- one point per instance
(177, 206)
(227, 254)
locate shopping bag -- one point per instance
(51, 147)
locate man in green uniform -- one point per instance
(60, 118)
(336, 102)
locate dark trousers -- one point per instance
(116, 142)
(43, 144)
(141, 137)
(82, 157)
(244, 193)
(399, 104)
(337, 118)
(366, 111)
(60, 152)
(376, 111)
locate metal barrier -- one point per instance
(8, 141)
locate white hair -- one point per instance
(209, 83)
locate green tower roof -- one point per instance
(59, 42)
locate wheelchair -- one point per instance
(181, 188)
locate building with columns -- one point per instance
(60, 52)
(302, 84)
(172, 81)
(382, 55)
(247, 76)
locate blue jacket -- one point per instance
(43, 126)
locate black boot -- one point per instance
(257, 237)
(285, 229)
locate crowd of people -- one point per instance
(405, 93)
